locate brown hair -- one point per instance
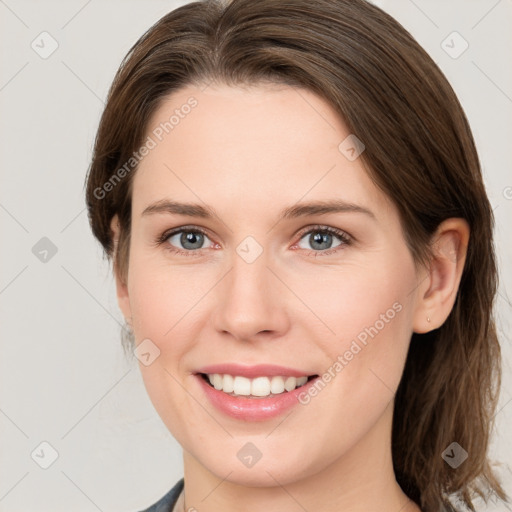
(419, 151)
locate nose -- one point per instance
(251, 302)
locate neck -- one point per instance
(360, 480)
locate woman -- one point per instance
(302, 245)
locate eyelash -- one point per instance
(344, 238)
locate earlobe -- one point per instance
(123, 298)
(437, 293)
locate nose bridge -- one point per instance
(249, 295)
(250, 269)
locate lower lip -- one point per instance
(253, 409)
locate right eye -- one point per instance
(190, 239)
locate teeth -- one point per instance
(260, 386)
(241, 386)
(217, 381)
(228, 384)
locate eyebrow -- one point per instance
(292, 212)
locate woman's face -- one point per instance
(266, 285)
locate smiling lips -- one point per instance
(253, 393)
(256, 380)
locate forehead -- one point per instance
(250, 147)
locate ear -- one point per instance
(437, 291)
(123, 298)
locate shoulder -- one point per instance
(167, 502)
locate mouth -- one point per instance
(259, 387)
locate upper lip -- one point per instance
(253, 371)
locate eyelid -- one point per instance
(325, 228)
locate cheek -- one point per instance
(355, 298)
(162, 308)
(370, 314)
(161, 298)
(366, 316)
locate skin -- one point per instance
(248, 153)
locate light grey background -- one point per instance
(64, 379)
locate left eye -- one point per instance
(322, 239)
